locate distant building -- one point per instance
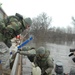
(2, 14)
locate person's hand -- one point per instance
(18, 51)
(32, 48)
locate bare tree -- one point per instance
(69, 29)
(73, 23)
(73, 19)
(39, 28)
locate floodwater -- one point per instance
(60, 53)
(57, 52)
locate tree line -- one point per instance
(43, 32)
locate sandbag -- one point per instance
(36, 70)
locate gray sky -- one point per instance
(61, 11)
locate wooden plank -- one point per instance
(19, 66)
(15, 66)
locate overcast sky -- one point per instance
(61, 11)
